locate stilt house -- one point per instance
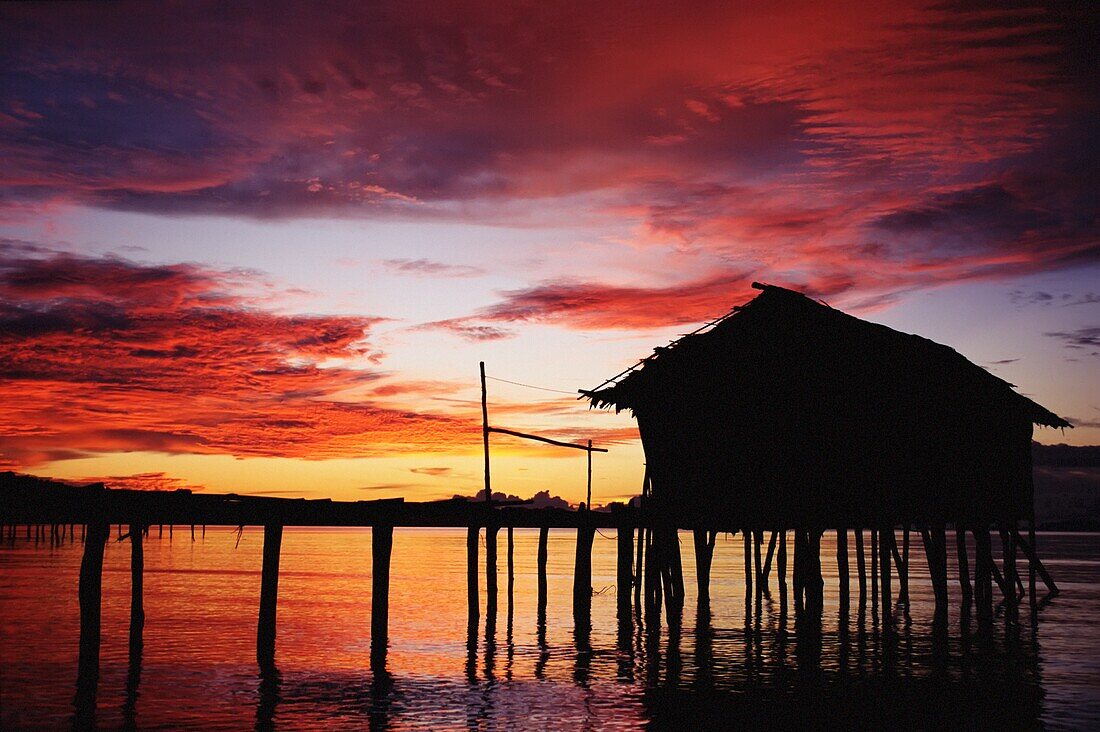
(788, 412)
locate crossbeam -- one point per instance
(547, 440)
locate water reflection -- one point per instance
(528, 668)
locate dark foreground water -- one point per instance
(198, 668)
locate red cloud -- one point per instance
(106, 355)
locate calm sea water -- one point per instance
(198, 668)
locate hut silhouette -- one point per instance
(790, 414)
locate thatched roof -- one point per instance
(850, 362)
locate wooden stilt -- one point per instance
(704, 554)
(861, 567)
(1008, 559)
(903, 567)
(544, 533)
(624, 575)
(815, 584)
(842, 568)
(676, 570)
(983, 574)
(874, 569)
(964, 568)
(935, 549)
(799, 570)
(491, 529)
(192, 532)
(269, 596)
(511, 569)
(781, 570)
(768, 558)
(1029, 552)
(884, 571)
(381, 549)
(747, 536)
(582, 575)
(137, 606)
(1031, 571)
(638, 570)
(473, 609)
(652, 579)
(757, 542)
(90, 595)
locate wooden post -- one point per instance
(511, 569)
(1031, 565)
(1008, 555)
(747, 535)
(472, 601)
(90, 594)
(491, 529)
(861, 567)
(638, 564)
(964, 568)
(192, 532)
(652, 579)
(1029, 552)
(781, 570)
(983, 574)
(903, 567)
(624, 571)
(137, 606)
(704, 554)
(269, 595)
(884, 571)
(935, 548)
(814, 584)
(874, 569)
(543, 539)
(381, 549)
(582, 575)
(842, 568)
(768, 558)
(588, 502)
(485, 433)
(757, 541)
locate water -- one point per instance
(198, 668)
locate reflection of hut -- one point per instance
(788, 413)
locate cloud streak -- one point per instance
(172, 358)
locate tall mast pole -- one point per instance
(485, 434)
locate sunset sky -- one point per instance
(262, 248)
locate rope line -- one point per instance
(531, 386)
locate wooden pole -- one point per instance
(511, 568)
(269, 596)
(842, 568)
(491, 529)
(485, 432)
(704, 554)
(983, 574)
(874, 569)
(964, 568)
(588, 502)
(757, 541)
(137, 606)
(381, 549)
(1029, 552)
(472, 601)
(624, 571)
(815, 584)
(768, 558)
(885, 572)
(1031, 565)
(861, 567)
(90, 595)
(544, 535)
(1008, 555)
(582, 575)
(747, 543)
(781, 570)
(903, 566)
